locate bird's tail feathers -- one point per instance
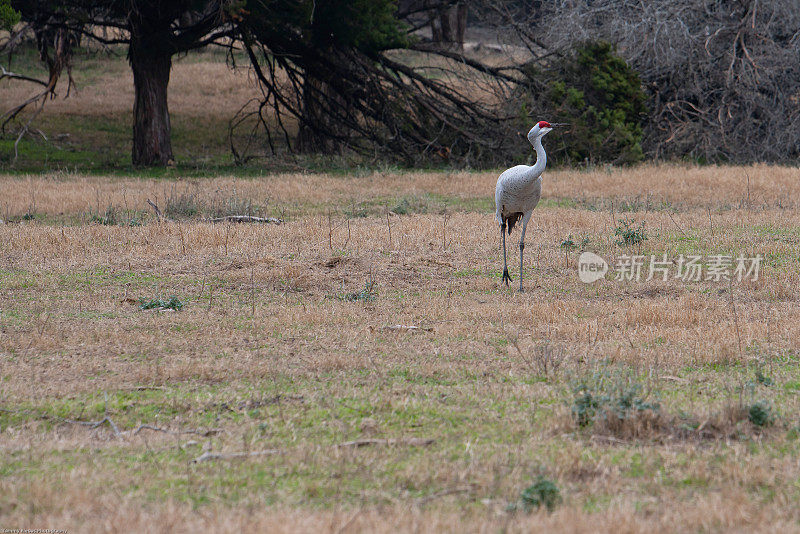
(511, 220)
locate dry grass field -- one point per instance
(290, 392)
(283, 397)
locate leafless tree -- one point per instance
(723, 75)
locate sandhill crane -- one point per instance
(517, 193)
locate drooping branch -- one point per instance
(12, 75)
(380, 104)
(55, 50)
(153, 32)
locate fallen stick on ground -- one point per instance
(452, 491)
(673, 378)
(347, 523)
(407, 328)
(609, 439)
(676, 224)
(204, 433)
(135, 431)
(247, 219)
(208, 456)
(157, 211)
(93, 424)
(409, 442)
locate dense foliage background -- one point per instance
(449, 82)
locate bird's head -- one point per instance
(540, 129)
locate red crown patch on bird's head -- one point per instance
(544, 124)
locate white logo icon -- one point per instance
(591, 267)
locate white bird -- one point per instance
(517, 193)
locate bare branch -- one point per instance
(8, 74)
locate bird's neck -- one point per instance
(541, 161)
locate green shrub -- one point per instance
(584, 405)
(543, 492)
(760, 414)
(609, 396)
(599, 96)
(629, 233)
(410, 204)
(366, 294)
(180, 205)
(172, 304)
(8, 16)
(108, 219)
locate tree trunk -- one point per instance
(449, 24)
(151, 126)
(318, 127)
(462, 10)
(446, 26)
(309, 138)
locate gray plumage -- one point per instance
(517, 192)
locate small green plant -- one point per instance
(221, 205)
(568, 243)
(366, 294)
(410, 204)
(630, 234)
(186, 204)
(356, 212)
(107, 219)
(543, 492)
(606, 395)
(584, 405)
(762, 379)
(760, 414)
(172, 304)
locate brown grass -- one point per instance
(693, 190)
(196, 89)
(282, 344)
(279, 345)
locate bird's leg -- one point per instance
(522, 248)
(506, 277)
(502, 232)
